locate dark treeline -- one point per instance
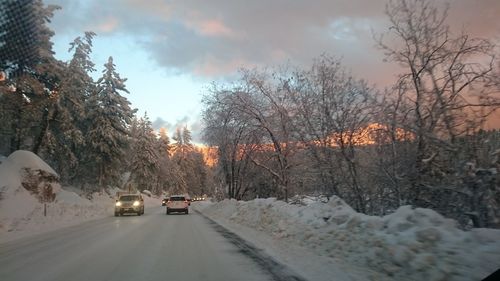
(322, 131)
(85, 129)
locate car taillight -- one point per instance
(185, 201)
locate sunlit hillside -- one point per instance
(209, 154)
(372, 134)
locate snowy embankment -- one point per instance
(22, 176)
(410, 244)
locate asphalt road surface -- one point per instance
(154, 246)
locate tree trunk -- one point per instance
(43, 131)
(15, 140)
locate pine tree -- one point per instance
(33, 73)
(171, 178)
(65, 138)
(18, 50)
(186, 137)
(164, 143)
(183, 142)
(78, 84)
(178, 138)
(145, 159)
(109, 117)
(192, 173)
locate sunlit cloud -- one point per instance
(109, 25)
(213, 38)
(211, 28)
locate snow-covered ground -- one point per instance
(321, 240)
(22, 214)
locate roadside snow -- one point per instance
(22, 214)
(319, 240)
(410, 244)
(26, 159)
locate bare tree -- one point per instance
(333, 109)
(265, 102)
(443, 97)
(232, 137)
(446, 84)
(255, 112)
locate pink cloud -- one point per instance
(215, 28)
(109, 25)
(208, 27)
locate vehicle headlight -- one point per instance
(118, 204)
(136, 203)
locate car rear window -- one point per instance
(177, 198)
(129, 198)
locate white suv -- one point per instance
(177, 203)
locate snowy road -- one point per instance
(151, 247)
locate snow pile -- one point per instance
(23, 159)
(410, 244)
(21, 210)
(34, 175)
(12, 172)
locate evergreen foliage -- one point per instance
(145, 156)
(85, 129)
(109, 115)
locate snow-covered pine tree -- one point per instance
(109, 117)
(33, 73)
(65, 139)
(164, 145)
(25, 38)
(178, 140)
(190, 163)
(145, 158)
(183, 142)
(78, 83)
(186, 137)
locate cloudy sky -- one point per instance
(171, 50)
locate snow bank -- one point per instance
(16, 201)
(410, 244)
(21, 212)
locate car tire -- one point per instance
(168, 212)
(186, 212)
(116, 214)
